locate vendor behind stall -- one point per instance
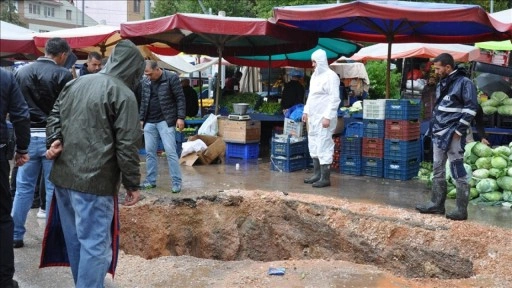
(293, 92)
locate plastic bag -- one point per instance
(209, 126)
(193, 147)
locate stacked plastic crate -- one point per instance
(401, 143)
(350, 159)
(374, 114)
(288, 153)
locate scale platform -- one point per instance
(237, 117)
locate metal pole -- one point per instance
(147, 9)
(83, 13)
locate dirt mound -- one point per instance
(244, 229)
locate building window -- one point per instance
(30, 8)
(49, 12)
(68, 14)
(136, 6)
(42, 31)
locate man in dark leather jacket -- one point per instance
(40, 83)
(12, 103)
(454, 110)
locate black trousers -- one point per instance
(6, 224)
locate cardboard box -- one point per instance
(242, 132)
(293, 128)
(216, 149)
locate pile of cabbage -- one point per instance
(498, 103)
(491, 171)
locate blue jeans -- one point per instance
(26, 182)
(86, 223)
(152, 131)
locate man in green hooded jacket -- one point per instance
(93, 133)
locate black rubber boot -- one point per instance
(316, 172)
(462, 200)
(325, 177)
(436, 204)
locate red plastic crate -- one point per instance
(373, 147)
(402, 129)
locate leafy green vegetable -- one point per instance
(483, 162)
(499, 96)
(492, 196)
(481, 150)
(498, 162)
(481, 174)
(501, 151)
(473, 193)
(452, 194)
(507, 196)
(505, 110)
(489, 110)
(486, 185)
(505, 183)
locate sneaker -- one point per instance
(17, 243)
(41, 214)
(146, 186)
(176, 189)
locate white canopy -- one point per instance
(179, 64)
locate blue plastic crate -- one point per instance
(401, 169)
(288, 148)
(402, 150)
(351, 146)
(287, 164)
(351, 165)
(373, 167)
(403, 109)
(354, 129)
(243, 151)
(373, 128)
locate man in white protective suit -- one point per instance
(321, 116)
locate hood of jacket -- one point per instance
(125, 63)
(320, 57)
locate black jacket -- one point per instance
(12, 103)
(192, 105)
(293, 93)
(170, 94)
(41, 83)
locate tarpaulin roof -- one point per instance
(15, 39)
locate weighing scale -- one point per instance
(237, 117)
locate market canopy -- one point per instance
(334, 48)
(179, 64)
(396, 22)
(504, 16)
(17, 41)
(218, 36)
(460, 52)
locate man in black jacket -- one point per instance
(192, 105)
(40, 83)
(162, 111)
(13, 104)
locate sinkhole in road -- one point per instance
(266, 229)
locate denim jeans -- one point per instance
(86, 223)
(151, 133)
(26, 182)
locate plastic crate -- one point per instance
(373, 147)
(373, 128)
(243, 151)
(351, 146)
(402, 130)
(490, 121)
(403, 109)
(289, 147)
(374, 109)
(401, 169)
(351, 165)
(504, 121)
(354, 129)
(373, 167)
(402, 150)
(287, 164)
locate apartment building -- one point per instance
(51, 15)
(113, 12)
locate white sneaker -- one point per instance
(41, 214)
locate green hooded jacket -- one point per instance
(96, 118)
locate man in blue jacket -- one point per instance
(454, 110)
(12, 103)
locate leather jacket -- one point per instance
(455, 108)
(41, 83)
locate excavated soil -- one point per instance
(233, 238)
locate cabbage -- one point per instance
(481, 150)
(507, 101)
(483, 162)
(505, 183)
(490, 102)
(498, 162)
(472, 182)
(486, 185)
(469, 170)
(489, 110)
(509, 171)
(492, 196)
(452, 194)
(501, 150)
(499, 96)
(469, 146)
(505, 110)
(507, 196)
(481, 174)
(496, 173)
(473, 193)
